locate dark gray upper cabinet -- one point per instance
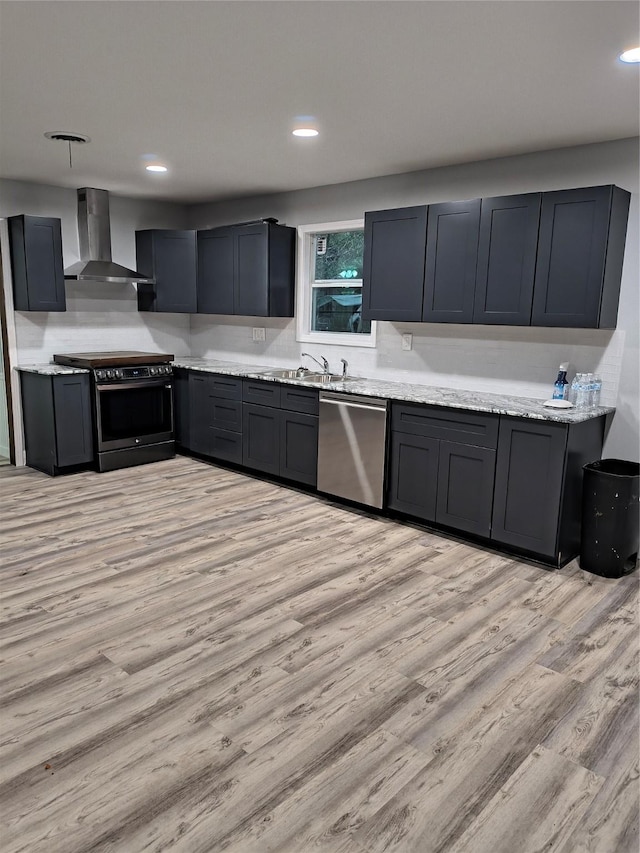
(58, 423)
(393, 271)
(215, 271)
(36, 263)
(507, 259)
(450, 263)
(247, 270)
(170, 258)
(580, 254)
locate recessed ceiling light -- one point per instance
(305, 131)
(156, 167)
(632, 55)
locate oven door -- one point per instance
(132, 414)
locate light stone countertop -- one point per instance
(50, 369)
(500, 404)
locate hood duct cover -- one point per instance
(94, 236)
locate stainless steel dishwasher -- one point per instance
(351, 447)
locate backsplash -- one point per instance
(99, 317)
(521, 361)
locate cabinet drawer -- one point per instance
(226, 445)
(294, 399)
(261, 393)
(225, 414)
(224, 386)
(475, 428)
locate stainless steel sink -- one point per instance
(306, 375)
(286, 374)
(325, 378)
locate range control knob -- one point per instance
(153, 370)
(99, 374)
(109, 374)
(117, 374)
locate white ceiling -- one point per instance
(213, 88)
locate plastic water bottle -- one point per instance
(582, 391)
(596, 389)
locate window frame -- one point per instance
(304, 287)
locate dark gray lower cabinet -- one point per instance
(465, 487)
(299, 447)
(58, 423)
(442, 465)
(413, 475)
(538, 488)
(215, 416)
(281, 441)
(261, 438)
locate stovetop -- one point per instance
(117, 358)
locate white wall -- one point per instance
(99, 316)
(521, 361)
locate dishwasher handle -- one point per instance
(352, 401)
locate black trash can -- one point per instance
(610, 517)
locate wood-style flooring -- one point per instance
(194, 660)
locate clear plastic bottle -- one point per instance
(582, 391)
(573, 391)
(596, 390)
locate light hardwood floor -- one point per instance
(194, 660)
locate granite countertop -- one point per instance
(501, 404)
(50, 369)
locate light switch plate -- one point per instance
(407, 341)
(258, 333)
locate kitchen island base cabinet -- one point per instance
(538, 487)
(58, 422)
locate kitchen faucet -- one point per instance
(345, 367)
(324, 365)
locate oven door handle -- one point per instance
(153, 383)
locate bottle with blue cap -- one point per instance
(561, 386)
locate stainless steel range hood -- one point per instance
(94, 235)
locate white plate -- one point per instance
(558, 404)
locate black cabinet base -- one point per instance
(131, 456)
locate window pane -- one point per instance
(337, 309)
(338, 255)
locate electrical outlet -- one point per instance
(407, 341)
(258, 334)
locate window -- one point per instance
(330, 285)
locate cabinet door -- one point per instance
(465, 487)
(299, 447)
(450, 265)
(574, 227)
(507, 259)
(528, 488)
(36, 263)
(170, 258)
(393, 271)
(215, 271)
(251, 293)
(73, 421)
(413, 475)
(261, 438)
(198, 416)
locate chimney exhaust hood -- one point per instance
(94, 235)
